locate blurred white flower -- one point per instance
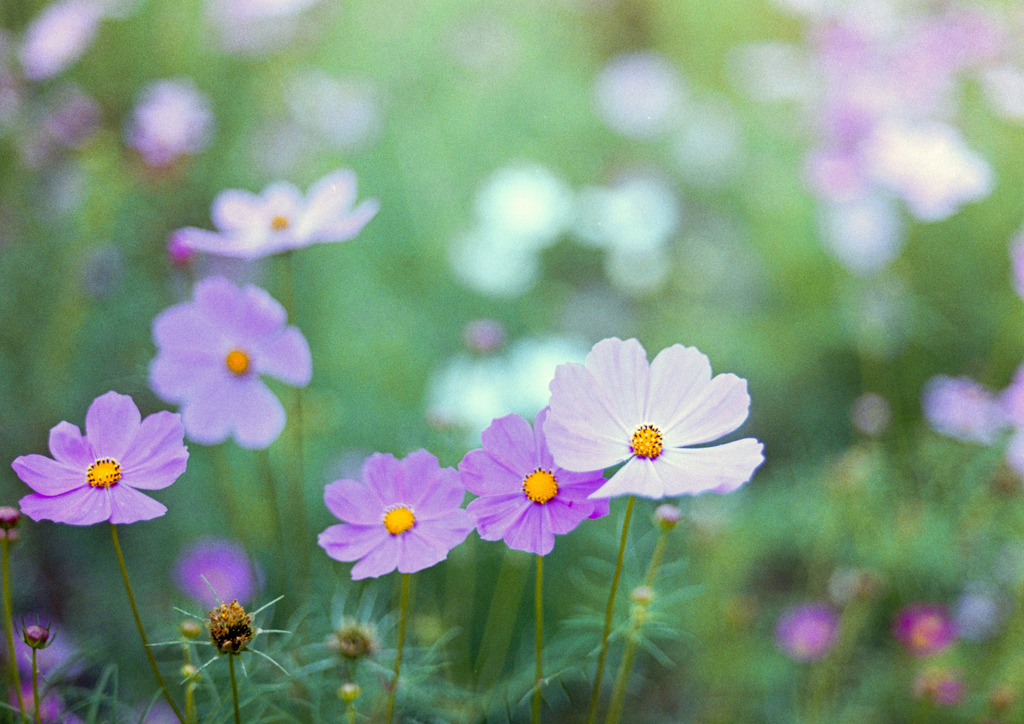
(1003, 86)
(524, 206)
(640, 95)
(58, 36)
(929, 166)
(709, 146)
(488, 264)
(255, 26)
(771, 71)
(961, 408)
(637, 213)
(864, 233)
(172, 118)
(345, 112)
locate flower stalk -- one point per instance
(539, 616)
(403, 607)
(5, 557)
(234, 687)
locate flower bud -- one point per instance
(36, 636)
(353, 640)
(190, 629)
(9, 517)
(642, 595)
(349, 692)
(667, 516)
(188, 671)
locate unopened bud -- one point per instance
(667, 516)
(642, 595)
(36, 636)
(349, 692)
(188, 671)
(190, 629)
(9, 517)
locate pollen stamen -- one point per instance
(646, 442)
(279, 223)
(103, 473)
(399, 520)
(237, 361)
(540, 486)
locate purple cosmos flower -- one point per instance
(616, 408)
(961, 408)
(98, 476)
(405, 515)
(226, 567)
(252, 226)
(172, 118)
(924, 628)
(211, 355)
(525, 498)
(808, 632)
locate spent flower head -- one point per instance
(525, 498)
(353, 640)
(212, 354)
(252, 226)
(231, 628)
(97, 476)
(617, 408)
(404, 514)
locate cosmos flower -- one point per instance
(223, 564)
(172, 118)
(924, 629)
(59, 36)
(640, 95)
(961, 408)
(617, 408)
(808, 632)
(211, 355)
(525, 498)
(405, 514)
(252, 226)
(98, 476)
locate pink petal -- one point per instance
(442, 492)
(379, 472)
(235, 209)
(128, 505)
(495, 514)
(717, 410)
(208, 413)
(636, 477)
(259, 314)
(183, 332)
(175, 379)
(69, 447)
(48, 477)
(510, 441)
(284, 356)
(330, 198)
(111, 423)
(427, 545)
(532, 532)
(84, 506)
(350, 225)
(678, 375)
(259, 416)
(621, 371)
(354, 502)
(582, 429)
(482, 475)
(157, 456)
(720, 469)
(565, 515)
(382, 559)
(352, 542)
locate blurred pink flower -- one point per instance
(58, 36)
(961, 408)
(172, 118)
(940, 685)
(924, 629)
(807, 632)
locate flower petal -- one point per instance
(717, 410)
(175, 379)
(482, 475)
(68, 446)
(259, 416)
(425, 546)
(259, 314)
(352, 542)
(719, 469)
(353, 502)
(621, 371)
(532, 532)
(184, 333)
(157, 456)
(235, 209)
(583, 430)
(350, 225)
(111, 423)
(565, 515)
(678, 375)
(48, 477)
(382, 559)
(328, 200)
(285, 356)
(128, 505)
(83, 506)
(443, 494)
(208, 413)
(636, 477)
(510, 441)
(495, 514)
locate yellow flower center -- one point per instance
(237, 361)
(279, 223)
(398, 520)
(103, 473)
(646, 442)
(540, 486)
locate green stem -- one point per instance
(403, 606)
(190, 687)
(138, 623)
(35, 687)
(638, 616)
(234, 688)
(592, 710)
(538, 610)
(9, 623)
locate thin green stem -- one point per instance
(638, 617)
(403, 606)
(9, 624)
(538, 610)
(234, 687)
(35, 687)
(592, 710)
(190, 686)
(138, 623)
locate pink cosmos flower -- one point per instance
(224, 565)
(98, 476)
(252, 226)
(405, 515)
(924, 628)
(525, 498)
(58, 37)
(616, 408)
(172, 118)
(211, 355)
(964, 409)
(808, 632)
